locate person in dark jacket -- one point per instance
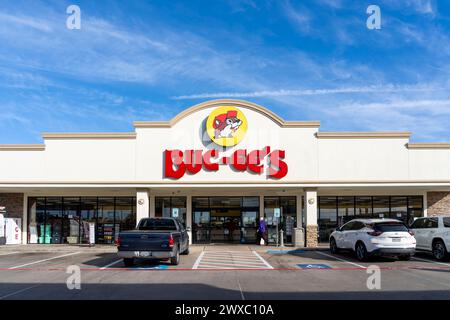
(262, 232)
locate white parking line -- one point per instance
(263, 261)
(110, 264)
(208, 257)
(43, 260)
(432, 261)
(240, 289)
(255, 265)
(7, 253)
(343, 260)
(197, 262)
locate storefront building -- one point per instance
(219, 166)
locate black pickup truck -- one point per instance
(154, 238)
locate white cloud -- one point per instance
(391, 88)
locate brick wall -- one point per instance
(438, 203)
(13, 203)
(312, 236)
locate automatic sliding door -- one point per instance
(249, 226)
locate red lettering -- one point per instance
(277, 168)
(207, 160)
(174, 158)
(240, 160)
(254, 160)
(193, 161)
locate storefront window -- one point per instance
(363, 207)
(327, 217)
(399, 208)
(36, 221)
(71, 220)
(171, 207)
(415, 208)
(346, 209)
(88, 212)
(54, 220)
(404, 208)
(66, 219)
(381, 207)
(124, 213)
(105, 221)
(225, 202)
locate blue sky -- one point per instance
(148, 60)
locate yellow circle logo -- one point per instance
(226, 126)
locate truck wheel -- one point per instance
(439, 250)
(186, 251)
(175, 260)
(128, 262)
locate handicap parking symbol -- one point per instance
(152, 267)
(313, 266)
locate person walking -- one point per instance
(262, 232)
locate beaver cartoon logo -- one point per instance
(226, 126)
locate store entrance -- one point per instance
(225, 219)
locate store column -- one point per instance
(311, 218)
(189, 217)
(299, 211)
(142, 204)
(152, 200)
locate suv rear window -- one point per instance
(157, 224)
(446, 221)
(390, 227)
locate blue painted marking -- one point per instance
(285, 251)
(313, 266)
(158, 267)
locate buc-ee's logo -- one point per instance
(226, 126)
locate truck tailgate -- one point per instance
(144, 241)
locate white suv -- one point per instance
(433, 234)
(368, 237)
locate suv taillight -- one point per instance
(118, 241)
(374, 233)
(171, 242)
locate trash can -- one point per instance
(299, 237)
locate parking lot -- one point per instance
(218, 272)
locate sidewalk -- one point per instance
(56, 248)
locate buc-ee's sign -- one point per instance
(226, 126)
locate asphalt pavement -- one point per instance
(217, 272)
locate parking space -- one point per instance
(210, 272)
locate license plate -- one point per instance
(396, 240)
(145, 254)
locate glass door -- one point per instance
(249, 226)
(201, 227)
